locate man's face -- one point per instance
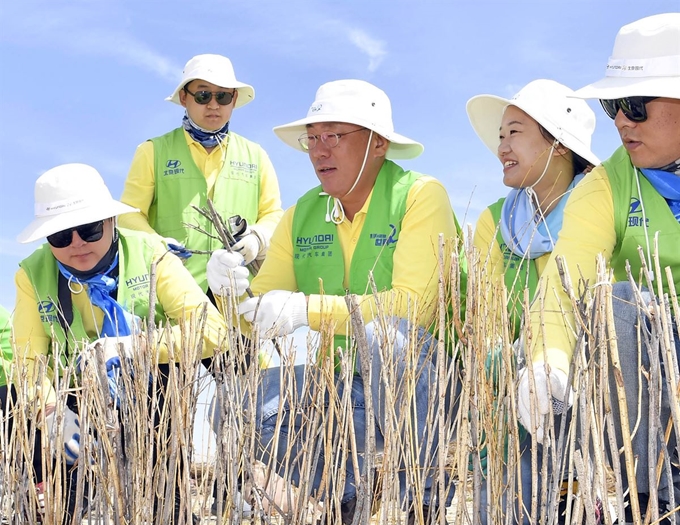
(211, 116)
(337, 168)
(654, 143)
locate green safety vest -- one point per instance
(519, 273)
(6, 353)
(631, 223)
(180, 185)
(135, 255)
(317, 253)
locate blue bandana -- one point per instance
(524, 230)
(208, 139)
(668, 186)
(99, 287)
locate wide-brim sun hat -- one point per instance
(217, 70)
(645, 61)
(352, 102)
(551, 104)
(67, 196)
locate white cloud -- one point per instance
(375, 49)
(85, 31)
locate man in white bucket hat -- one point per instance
(367, 215)
(201, 159)
(630, 203)
(90, 283)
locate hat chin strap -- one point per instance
(338, 213)
(533, 198)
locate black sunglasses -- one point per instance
(223, 98)
(633, 108)
(91, 232)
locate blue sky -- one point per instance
(86, 81)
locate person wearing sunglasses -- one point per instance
(368, 215)
(90, 283)
(627, 211)
(204, 159)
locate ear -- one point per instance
(560, 150)
(233, 101)
(183, 97)
(381, 145)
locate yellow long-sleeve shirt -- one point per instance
(140, 185)
(484, 240)
(588, 230)
(176, 292)
(415, 271)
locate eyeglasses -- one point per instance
(223, 98)
(329, 139)
(91, 232)
(633, 108)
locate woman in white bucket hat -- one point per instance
(204, 158)
(630, 203)
(542, 138)
(89, 284)
(367, 215)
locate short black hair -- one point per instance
(580, 164)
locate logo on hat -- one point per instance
(315, 108)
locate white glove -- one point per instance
(249, 246)
(279, 312)
(552, 393)
(71, 433)
(226, 270)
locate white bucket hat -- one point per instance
(645, 61)
(67, 196)
(551, 104)
(354, 102)
(217, 70)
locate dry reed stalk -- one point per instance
(485, 419)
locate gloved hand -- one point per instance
(177, 248)
(279, 312)
(552, 390)
(248, 245)
(226, 270)
(71, 433)
(114, 348)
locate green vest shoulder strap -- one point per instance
(180, 185)
(6, 353)
(640, 214)
(518, 272)
(136, 251)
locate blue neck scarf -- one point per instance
(208, 139)
(668, 185)
(525, 231)
(99, 287)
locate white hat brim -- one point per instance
(621, 87)
(486, 114)
(42, 227)
(246, 93)
(401, 147)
